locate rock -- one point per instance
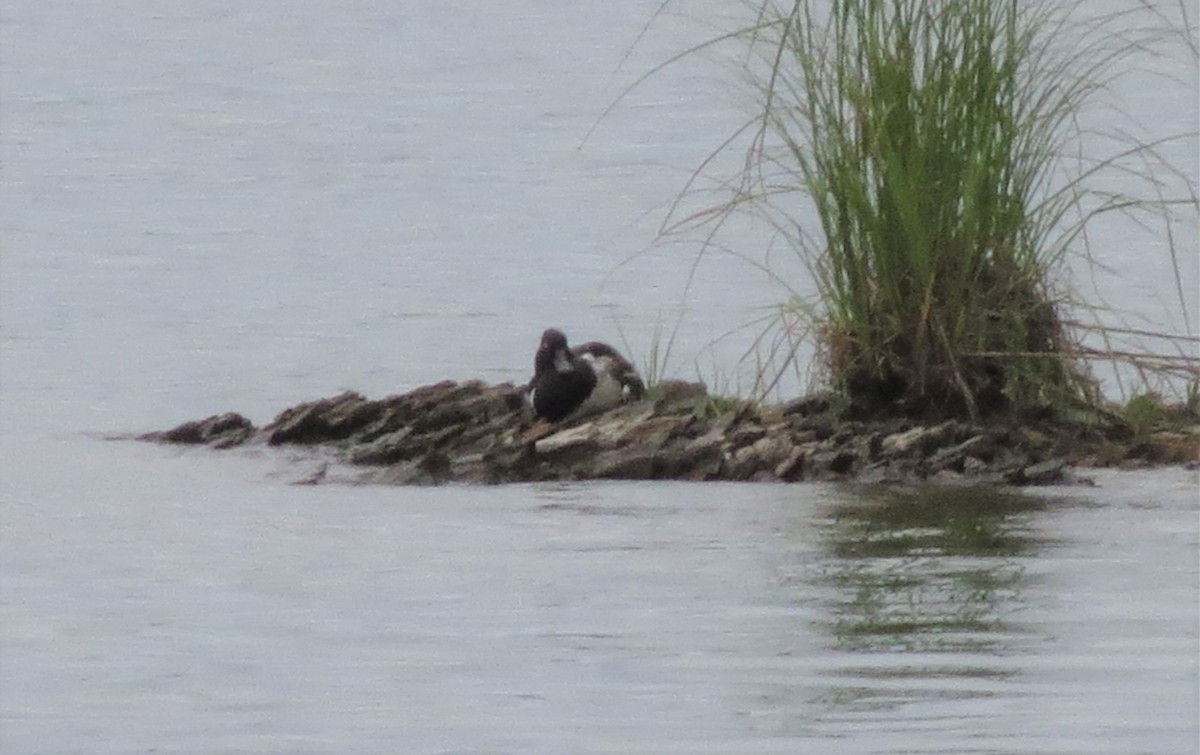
(628, 464)
(875, 446)
(953, 458)
(791, 469)
(692, 462)
(880, 473)
(1051, 472)
(478, 433)
(386, 449)
(947, 477)
(435, 467)
(676, 391)
(575, 441)
(807, 406)
(919, 440)
(220, 431)
(831, 465)
(821, 427)
(900, 443)
(843, 463)
(759, 458)
(329, 419)
(974, 466)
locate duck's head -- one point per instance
(553, 352)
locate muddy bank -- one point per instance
(477, 433)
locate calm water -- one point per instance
(215, 206)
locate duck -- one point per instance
(580, 381)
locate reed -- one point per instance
(937, 143)
(925, 134)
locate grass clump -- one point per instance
(1145, 412)
(938, 145)
(925, 133)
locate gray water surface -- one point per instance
(217, 609)
(215, 206)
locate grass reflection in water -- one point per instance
(927, 569)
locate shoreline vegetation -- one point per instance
(926, 164)
(932, 142)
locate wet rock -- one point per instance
(219, 431)
(478, 433)
(677, 391)
(900, 443)
(320, 421)
(693, 462)
(791, 469)
(815, 428)
(808, 406)
(435, 467)
(948, 477)
(1050, 472)
(954, 457)
(396, 446)
(638, 463)
(574, 443)
(880, 473)
(842, 463)
(919, 440)
(974, 466)
(758, 459)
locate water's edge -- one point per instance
(479, 433)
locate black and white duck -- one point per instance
(580, 381)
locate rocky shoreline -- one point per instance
(472, 432)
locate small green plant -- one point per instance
(718, 405)
(1145, 412)
(654, 364)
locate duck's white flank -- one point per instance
(608, 393)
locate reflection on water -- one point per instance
(590, 618)
(919, 591)
(935, 569)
